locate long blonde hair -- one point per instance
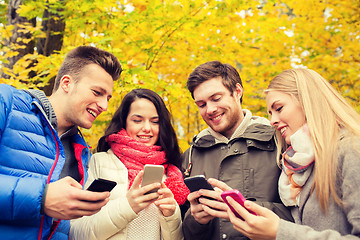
(326, 113)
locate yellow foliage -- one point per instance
(160, 42)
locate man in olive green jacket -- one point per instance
(237, 149)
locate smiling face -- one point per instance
(86, 98)
(286, 113)
(142, 122)
(220, 110)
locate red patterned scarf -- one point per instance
(134, 155)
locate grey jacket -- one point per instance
(338, 223)
(247, 163)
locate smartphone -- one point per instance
(152, 174)
(197, 182)
(237, 196)
(101, 185)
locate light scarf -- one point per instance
(297, 163)
(134, 155)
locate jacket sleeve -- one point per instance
(190, 227)
(171, 226)
(194, 230)
(111, 219)
(349, 167)
(278, 208)
(20, 198)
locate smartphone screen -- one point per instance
(152, 174)
(197, 182)
(238, 197)
(101, 185)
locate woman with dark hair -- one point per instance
(139, 133)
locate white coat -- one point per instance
(113, 219)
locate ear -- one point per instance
(239, 91)
(66, 83)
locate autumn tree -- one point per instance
(160, 42)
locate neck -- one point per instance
(62, 126)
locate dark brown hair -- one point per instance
(78, 58)
(229, 75)
(167, 136)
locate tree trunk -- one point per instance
(53, 25)
(20, 40)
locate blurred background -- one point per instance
(160, 42)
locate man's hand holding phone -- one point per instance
(207, 204)
(65, 199)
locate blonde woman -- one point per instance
(321, 164)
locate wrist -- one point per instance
(42, 208)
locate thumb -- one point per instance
(256, 208)
(137, 180)
(72, 182)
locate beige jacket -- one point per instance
(113, 219)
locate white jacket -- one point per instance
(113, 219)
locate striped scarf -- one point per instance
(297, 163)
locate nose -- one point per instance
(103, 104)
(274, 120)
(211, 108)
(146, 126)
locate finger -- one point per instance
(216, 183)
(192, 197)
(218, 190)
(166, 206)
(166, 194)
(243, 212)
(72, 182)
(211, 194)
(137, 180)
(80, 213)
(214, 204)
(89, 196)
(165, 201)
(215, 213)
(238, 223)
(150, 197)
(257, 209)
(153, 186)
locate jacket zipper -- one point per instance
(52, 168)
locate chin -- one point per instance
(86, 126)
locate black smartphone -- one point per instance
(101, 185)
(197, 182)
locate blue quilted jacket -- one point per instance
(31, 155)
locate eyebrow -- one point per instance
(272, 105)
(141, 116)
(103, 91)
(217, 93)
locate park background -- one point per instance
(160, 42)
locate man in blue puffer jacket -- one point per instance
(43, 157)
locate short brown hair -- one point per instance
(229, 75)
(78, 58)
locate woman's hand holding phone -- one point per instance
(166, 201)
(138, 197)
(238, 197)
(263, 225)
